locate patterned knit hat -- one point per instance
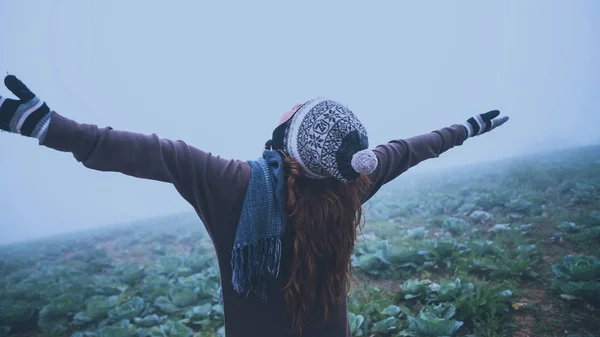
(327, 140)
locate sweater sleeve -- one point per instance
(397, 156)
(208, 182)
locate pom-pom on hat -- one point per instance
(327, 140)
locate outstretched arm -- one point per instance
(397, 156)
(206, 181)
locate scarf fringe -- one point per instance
(252, 263)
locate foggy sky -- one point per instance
(218, 75)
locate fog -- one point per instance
(218, 75)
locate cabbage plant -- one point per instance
(433, 321)
(426, 326)
(578, 268)
(577, 278)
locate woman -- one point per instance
(284, 225)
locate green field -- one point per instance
(507, 248)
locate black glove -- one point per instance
(483, 123)
(27, 116)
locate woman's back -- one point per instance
(251, 316)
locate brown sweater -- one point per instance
(216, 187)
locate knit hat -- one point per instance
(327, 140)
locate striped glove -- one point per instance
(483, 123)
(27, 116)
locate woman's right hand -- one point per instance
(27, 116)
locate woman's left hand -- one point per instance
(483, 123)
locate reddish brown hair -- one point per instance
(323, 217)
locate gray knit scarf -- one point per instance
(257, 247)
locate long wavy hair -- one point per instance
(323, 218)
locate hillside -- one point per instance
(506, 248)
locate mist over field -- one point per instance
(219, 76)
